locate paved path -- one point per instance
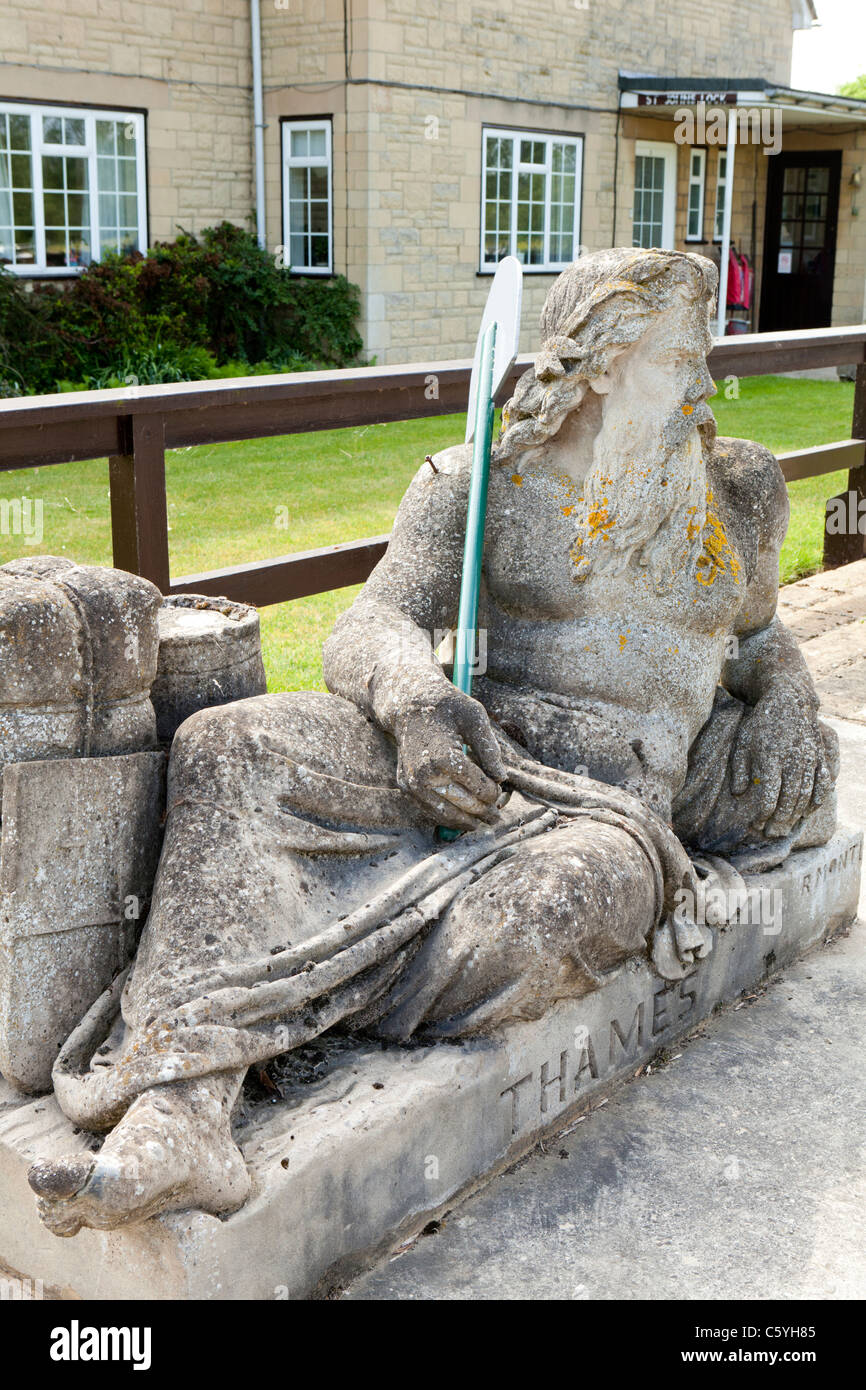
(737, 1170)
(827, 612)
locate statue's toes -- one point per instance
(57, 1179)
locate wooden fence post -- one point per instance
(850, 544)
(139, 518)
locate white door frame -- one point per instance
(666, 150)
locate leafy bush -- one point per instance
(186, 310)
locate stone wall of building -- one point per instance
(408, 130)
(187, 65)
(407, 124)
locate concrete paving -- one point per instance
(735, 1169)
(827, 614)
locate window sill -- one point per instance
(48, 272)
(527, 270)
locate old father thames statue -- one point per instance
(629, 602)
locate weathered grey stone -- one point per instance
(78, 649)
(645, 732)
(78, 849)
(384, 1139)
(210, 652)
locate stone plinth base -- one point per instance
(381, 1140)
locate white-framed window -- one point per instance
(72, 186)
(695, 205)
(307, 196)
(655, 190)
(721, 185)
(530, 198)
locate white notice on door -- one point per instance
(784, 262)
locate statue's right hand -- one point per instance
(433, 767)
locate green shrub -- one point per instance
(186, 310)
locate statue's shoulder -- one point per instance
(750, 479)
(454, 462)
(444, 475)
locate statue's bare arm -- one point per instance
(381, 653)
(779, 746)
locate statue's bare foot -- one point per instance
(173, 1149)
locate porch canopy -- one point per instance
(663, 97)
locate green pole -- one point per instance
(476, 516)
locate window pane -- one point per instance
(106, 175)
(6, 245)
(55, 210)
(25, 246)
(22, 171)
(818, 180)
(318, 217)
(300, 143)
(298, 248)
(794, 180)
(73, 131)
(297, 183)
(52, 171)
(52, 130)
(126, 136)
(77, 206)
(105, 137)
(299, 217)
(127, 176)
(55, 247)
(317, 142)
(22, 206)
(79, 246)
(19, 132)
(318, 183)
(320, 251)
(813, 234)
(76, 173)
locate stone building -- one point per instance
(410, 145)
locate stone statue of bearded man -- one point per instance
(641, 703)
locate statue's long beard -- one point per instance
(645, 498)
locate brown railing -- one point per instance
(134, 427)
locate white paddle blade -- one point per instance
(503, 309)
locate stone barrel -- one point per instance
(210, 653)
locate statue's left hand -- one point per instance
(780, 753)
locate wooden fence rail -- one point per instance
(134, 427)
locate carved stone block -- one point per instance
(78, 852)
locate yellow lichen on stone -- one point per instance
(717, 555)
(517, 480)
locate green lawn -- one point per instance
(231, 503)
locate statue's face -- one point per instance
(667, 368)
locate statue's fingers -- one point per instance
(464, 800)
(807, 782)
(462, 769)
(767, 780)
(790, 793)
(823, 781)
(442, 810)
(481, 739)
